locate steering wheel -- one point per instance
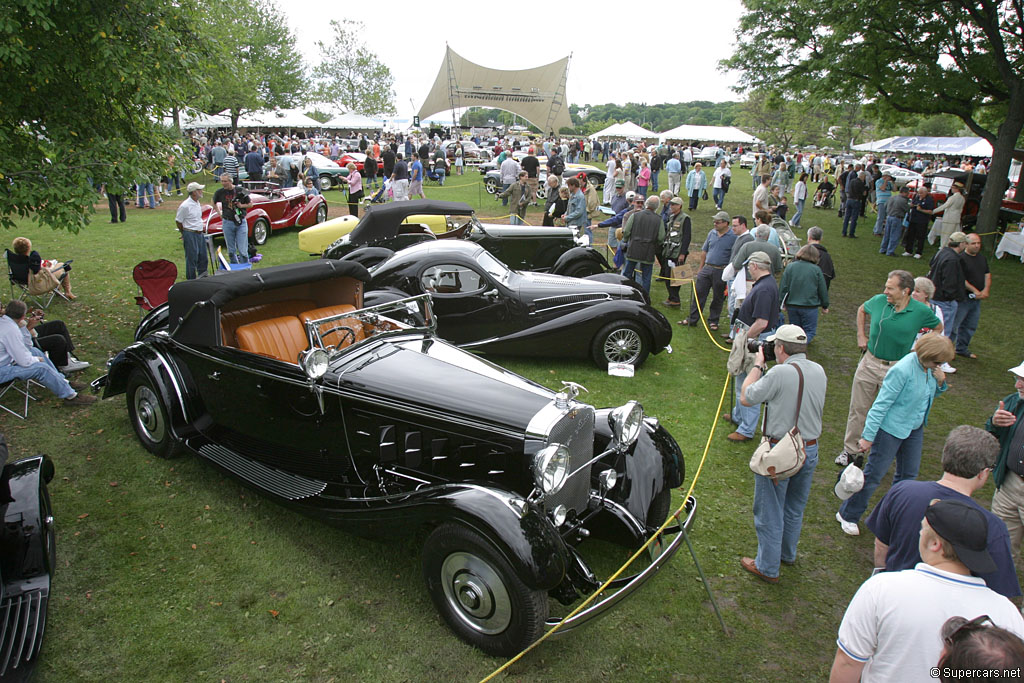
(350, 333)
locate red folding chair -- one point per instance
(154, 278)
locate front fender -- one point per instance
(307, 216)
(23, 536)
(255, 214)
(576, 256)
(368, 256)
(518, 529)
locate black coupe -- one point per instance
(360, 416)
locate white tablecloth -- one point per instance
(1011, 243)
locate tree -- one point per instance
(257, 65)
(352, 76)
(959, 57)
(83, 90)
(773, 118)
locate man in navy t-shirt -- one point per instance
(967, 459)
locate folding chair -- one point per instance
(17, 274)
(154, 279)
(20, 387)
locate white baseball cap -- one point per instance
(850, 482)
(1019, 370)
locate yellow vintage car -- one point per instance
(314, 240)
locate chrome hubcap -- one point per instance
(476, 593)
(148, 415)
(622, 346)
(259, 232)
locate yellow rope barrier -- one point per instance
(593, 596)
(704, 322)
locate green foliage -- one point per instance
(351, 75)
(321, 116)
(776, 120)
(661, 117)
(257, 64)
(83, 86)
(958, 57)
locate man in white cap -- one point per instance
(189, 220)
(967, 459)
(779, 506)
(1005, 425)
(891, 629)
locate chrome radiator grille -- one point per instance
(575, 430)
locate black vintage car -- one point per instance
(483, 305)
(362, 417)
(381, 232)
(27, 561)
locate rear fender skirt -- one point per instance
(577, 254)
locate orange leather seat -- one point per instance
(283, 338)
(232, 320)
(339, 337)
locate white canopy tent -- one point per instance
(627, 130)
(277, 118)
(707, 134)
(354, 122)
(971, 147)
(190, 119)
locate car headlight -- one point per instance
(314, 362)
(626, 421)
(550, 468)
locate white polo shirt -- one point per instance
(894, 621)
(190, 215)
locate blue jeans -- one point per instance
(236, 237)
(718, 194)
(806, 317)
(196, 263)
(440, 176)
(755, 180)
(948, 309)
(886, 448)
(646, 270)
(779, 514)
(43, 372)
(795, 221)
(880, 221)
(145, 190)
(654, 181)
(892, 236)
(968, 312)
(505, 186)
(851, 212)
(744, 417)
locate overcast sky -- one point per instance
(621, 52)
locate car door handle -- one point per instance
(214, 375)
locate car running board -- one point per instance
(283, 484)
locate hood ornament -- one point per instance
(570, 390)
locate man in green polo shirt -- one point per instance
(887, 325)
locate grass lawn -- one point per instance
(170, 571)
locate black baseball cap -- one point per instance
(965, 527)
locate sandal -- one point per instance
(972, 356)
(685, 323)
(713, 327)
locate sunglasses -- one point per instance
(956, 628)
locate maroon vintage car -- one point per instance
(272, 208)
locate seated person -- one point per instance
(19, 360)
(53, 339)
(825, 190)
(310, 188)
(22, 247)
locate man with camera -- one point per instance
(779, 505)
(758, 316)
(233, 203)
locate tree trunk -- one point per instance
(234, 120)
(176, 118)
(1002, 150)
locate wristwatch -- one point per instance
(762, 368)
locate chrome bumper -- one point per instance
(620, 589)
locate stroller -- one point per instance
(826, 201)
(381, 195)
(790, 242)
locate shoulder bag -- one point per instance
(42, 282)
(785, 458)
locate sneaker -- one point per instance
(849, 528)
(917, 256)
(844, 458)
(80, 399)
(74, 365)
(947, 368)
(907, 253)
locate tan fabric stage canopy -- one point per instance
(538, 94)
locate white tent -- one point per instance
(971, 147)
(707, 134)
(189, 119)
(625, 130)
(354, 122)
(277, 118)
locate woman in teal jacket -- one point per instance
(894, 428)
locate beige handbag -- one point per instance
(42, 282)
(784, 459)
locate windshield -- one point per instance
(495, 268)
(337, 333)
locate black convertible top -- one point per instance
(381, 222)
(209, 294)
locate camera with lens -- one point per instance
(769, 347)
